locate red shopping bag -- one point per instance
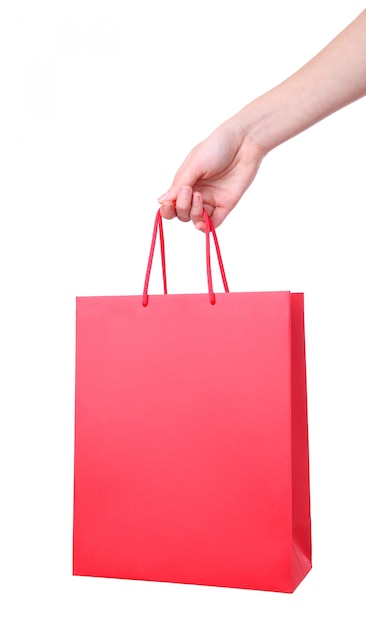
(191, 443)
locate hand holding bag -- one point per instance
(191, 441)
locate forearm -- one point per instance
(331, 80)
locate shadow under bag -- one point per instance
(191, 439)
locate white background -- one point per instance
(100, 102)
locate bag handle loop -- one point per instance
(209, 229)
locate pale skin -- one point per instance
(218, 171)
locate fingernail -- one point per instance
(167, 208)
(165, 195)
(196, 197)
(185, 191)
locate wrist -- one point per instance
(264, 123)
(247, 129)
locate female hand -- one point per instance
(214, 176)
(217, 171)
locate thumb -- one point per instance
(172, 193)
(187, 176)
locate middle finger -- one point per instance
(183, 203)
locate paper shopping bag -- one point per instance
(191, 441)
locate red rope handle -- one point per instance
(162, 251)
(208, 258)
(158, 225)
(209, 229)
(219, 257)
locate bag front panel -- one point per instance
(183, 439)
